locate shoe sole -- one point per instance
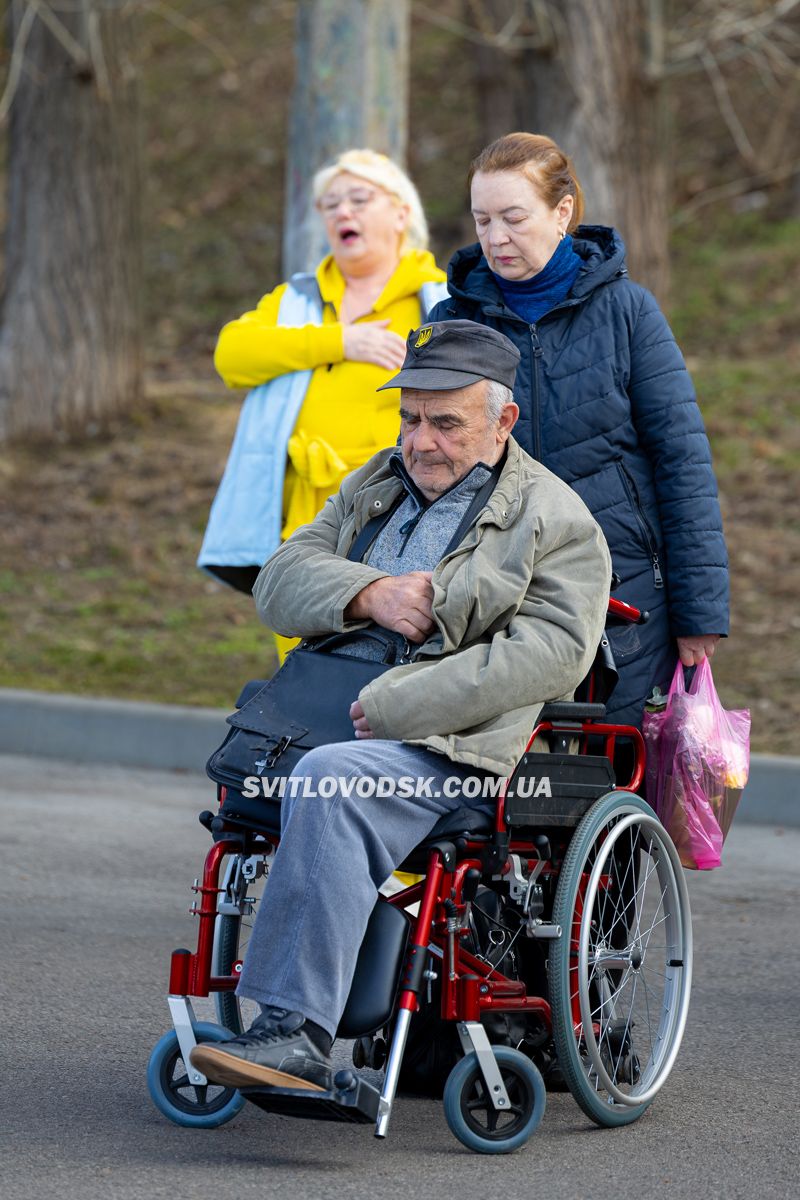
(224, 1068)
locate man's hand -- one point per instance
(692, 650)
(403, 603)
(374, 342)
(360, 722)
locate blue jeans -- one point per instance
(337, 848)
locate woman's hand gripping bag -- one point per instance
(698, 760)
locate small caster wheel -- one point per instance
(369, 1052)
(198, 1106)
(630, 1070)
(473, 1118)
(361, 1048)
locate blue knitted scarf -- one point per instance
(532, 298)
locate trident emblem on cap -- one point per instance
(424, 337)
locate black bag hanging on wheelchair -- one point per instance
(268, 738)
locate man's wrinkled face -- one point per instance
(444, 434)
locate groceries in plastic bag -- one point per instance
(698, 760)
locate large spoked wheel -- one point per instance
(231, 937)
(196, 1106)
(473, 1118)
(620, 975)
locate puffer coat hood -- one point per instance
(607, 404)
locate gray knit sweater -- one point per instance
(414, 539)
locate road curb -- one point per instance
(171, 737)
(125, 733)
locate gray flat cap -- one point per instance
(446, 355)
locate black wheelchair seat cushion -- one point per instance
(461, 822)
(458, 826)
(259, 814)
(255, 813)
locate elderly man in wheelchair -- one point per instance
(465, 586)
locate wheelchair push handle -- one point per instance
(619, 611)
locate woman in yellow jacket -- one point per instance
(377, 284)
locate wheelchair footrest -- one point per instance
(350, 1099)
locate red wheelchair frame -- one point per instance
(606, 1077)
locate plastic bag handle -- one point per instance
(701, 678)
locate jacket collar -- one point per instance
(601, 248)
(387, 482)
(398, 468)
(505, 502)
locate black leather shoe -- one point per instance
(276, 1051)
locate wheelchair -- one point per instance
(553, 939)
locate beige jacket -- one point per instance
(518, 607)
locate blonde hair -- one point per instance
(384, 173)
(541, 160)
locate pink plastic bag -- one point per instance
(698, 760)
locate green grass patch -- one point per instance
(734, 288)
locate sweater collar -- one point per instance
(547, 286)
(468, 484)
(384, 486)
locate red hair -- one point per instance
(538, 158)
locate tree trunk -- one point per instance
(594, 90)
(351, 90)
(70, 341)
(501, 86)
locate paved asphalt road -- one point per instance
(96, 869)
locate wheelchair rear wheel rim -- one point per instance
(624, 964)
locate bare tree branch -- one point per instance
(195, 30)
(729, 25)
(765, 71)
(783, 118)
(726, 33)
(62, 35)
(736, 187)
(92, 62)
(772, 50)
(729, 114)
(17, 60)
(498, 39)
(656, 37)
(97, 55)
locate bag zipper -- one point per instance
(632, 492)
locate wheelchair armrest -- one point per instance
(572, 710)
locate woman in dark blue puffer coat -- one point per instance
(605, 401)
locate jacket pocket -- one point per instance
(648, 535)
